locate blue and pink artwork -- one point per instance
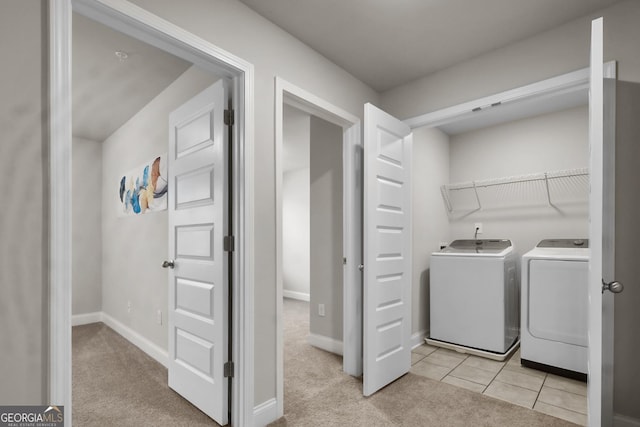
(144, 189)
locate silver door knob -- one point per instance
(169, 264)
(615, 287)
(361, 267)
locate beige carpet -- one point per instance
(317, 393)
(116, 384)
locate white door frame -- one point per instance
(136, 22)
(290, 94)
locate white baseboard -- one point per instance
(86, 318)
(325, 343)
(417, 339)
(296, 295)
(153, 350)
(265, 413)
(624, 421)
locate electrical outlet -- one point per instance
(477, 226)
(321, 310)
(128, 306)
(159, 317)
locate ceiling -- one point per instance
(107, 91)
(386, 43)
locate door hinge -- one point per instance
(228, 370)
(229, 117)
(229, 244)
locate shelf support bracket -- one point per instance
(475, 189)
(546, 184)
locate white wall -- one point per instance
(296, 234)
(296, 204)
(232, 26)
(87, 226)
(326, 229)
(430, 169)
(135, 246)
(550, 142)
(24, 253)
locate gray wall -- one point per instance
(296, 247)
(430, 169)
(23, 218)
(134, 247)
(86, 211)
(549, 142)
(560, 50)
(273, 52)
(326, 228)
(627, 268)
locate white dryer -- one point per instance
(555, 307)
(474, 297)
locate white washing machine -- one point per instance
(555, 307)
(474, 296)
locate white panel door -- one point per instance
(387, 249)
(198, 222)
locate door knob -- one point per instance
(615, 287)
(169, 264)
(361, 267)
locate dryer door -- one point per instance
(559, 300)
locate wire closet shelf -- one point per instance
(548, 188)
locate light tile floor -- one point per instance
(509, 381)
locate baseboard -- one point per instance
(153, 350)
(265, 413)
(325, 343)
(624, 421)
(86, 318)
(417, 339)
(301, 296)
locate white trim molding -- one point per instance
(300, 296)
(60, 204)
(325, 343)
(136, 22)
(265, 413)
(417, 339)
(290, 94)
(153, 350)
(86, 318)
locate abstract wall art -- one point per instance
(144, 189)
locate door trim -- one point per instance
(290, 94)
(136, 22)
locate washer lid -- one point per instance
(563, 243)
(486, 246)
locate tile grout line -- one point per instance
(494, 379)
(540, 391)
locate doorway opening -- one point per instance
(312, 252)
(150, 29)
(347, 253)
